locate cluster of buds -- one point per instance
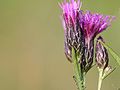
(80, 30)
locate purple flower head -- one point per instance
(93, 24)
(70, 10)
(72, 30)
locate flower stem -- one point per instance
(79, 75)
(82, 81)
(100, 79)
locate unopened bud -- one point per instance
(101, 54)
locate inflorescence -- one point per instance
(80, 31)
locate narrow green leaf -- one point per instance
(113, 53)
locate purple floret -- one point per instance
(93, 24)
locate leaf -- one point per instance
(113, 53)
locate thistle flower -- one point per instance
(101, 54)
(72, 30)
(92, 25)
(70, 11)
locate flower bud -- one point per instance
(101, 54)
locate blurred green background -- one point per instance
(31, 46)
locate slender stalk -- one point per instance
(82, 81)
(79, 75)
(100, 79)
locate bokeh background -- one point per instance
(31, 46)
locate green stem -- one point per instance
(79, 75)
(100, 79)
(82, 81)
